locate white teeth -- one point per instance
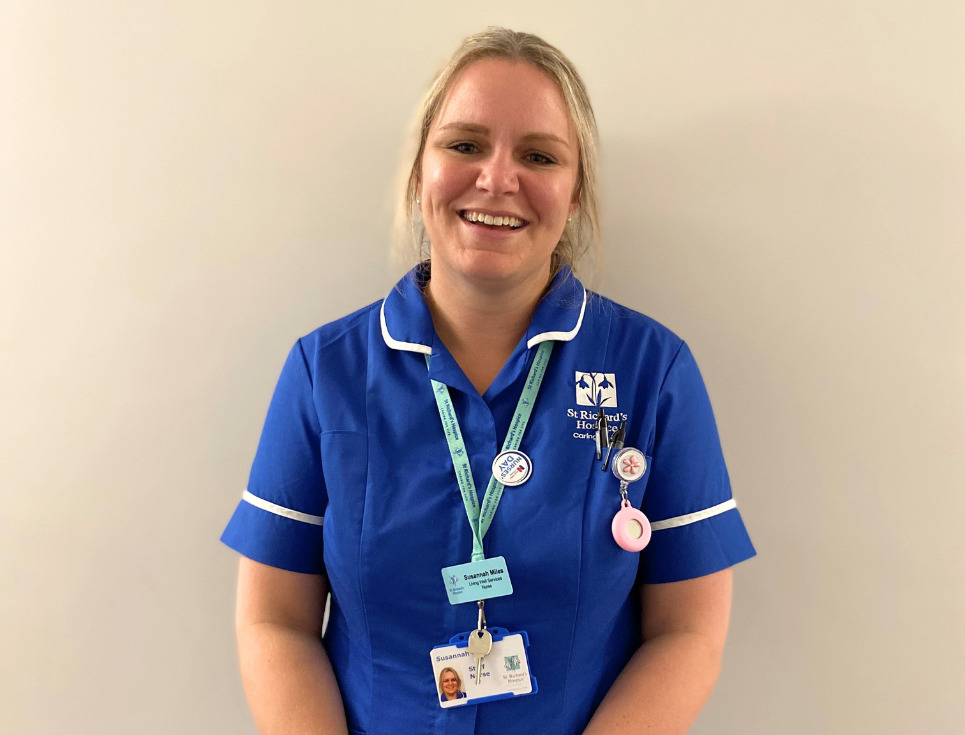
(501, 221)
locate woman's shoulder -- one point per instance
(347, 331)
(604, 313)
(354, 329)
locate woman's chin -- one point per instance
(494, 269)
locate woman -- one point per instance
(450, 685)
(359, 449)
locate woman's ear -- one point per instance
(575, 200)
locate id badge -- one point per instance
(504, 671)
(477, 580)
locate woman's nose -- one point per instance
(499, 175)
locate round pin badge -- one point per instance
(629, 464)
(512, 468)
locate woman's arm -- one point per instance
(663, 687)
(287, 676)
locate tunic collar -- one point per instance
(407, 324)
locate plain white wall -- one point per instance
(186, 187)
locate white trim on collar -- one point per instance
(396, 344)
(560, 336)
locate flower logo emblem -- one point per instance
(596, 389)
(630, 465)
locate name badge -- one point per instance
(477, 580)
(504, 671)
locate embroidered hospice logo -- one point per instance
(596, 389)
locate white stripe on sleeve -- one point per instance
(693, 517)
(280, 510)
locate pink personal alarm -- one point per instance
(630, 527)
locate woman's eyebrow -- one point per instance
(468, 127)
(546, 137)
(464, 127)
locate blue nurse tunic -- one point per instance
(353, 478)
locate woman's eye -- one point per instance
(463, 147)
(540, 158)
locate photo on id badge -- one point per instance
(451, 688)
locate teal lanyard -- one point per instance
(480, 520)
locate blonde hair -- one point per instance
(582, 231)
(458, 678)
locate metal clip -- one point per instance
(481, 622)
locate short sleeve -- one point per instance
(697, 529)
(279, 519)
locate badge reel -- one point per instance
(630, 527)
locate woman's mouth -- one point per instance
(501, 221)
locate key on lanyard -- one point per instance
(480, 642)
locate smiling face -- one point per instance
(498, 175)
(450, 683)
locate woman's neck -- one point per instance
(479, 324)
